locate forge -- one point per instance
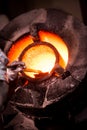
(52, 44)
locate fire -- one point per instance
(59, 44)
(18, 47)
(40, 59)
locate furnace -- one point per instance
(51, 46)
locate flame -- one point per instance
(39, 59)
(18, 47)
(58, 43)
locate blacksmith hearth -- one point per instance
(47, 51)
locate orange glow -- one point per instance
(18, 47)
(40, 59)
(58, 43)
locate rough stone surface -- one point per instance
(53, 90)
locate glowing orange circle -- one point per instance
(40, 60)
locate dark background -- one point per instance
(13, 8)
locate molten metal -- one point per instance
(40, 59)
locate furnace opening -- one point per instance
(41, 58)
